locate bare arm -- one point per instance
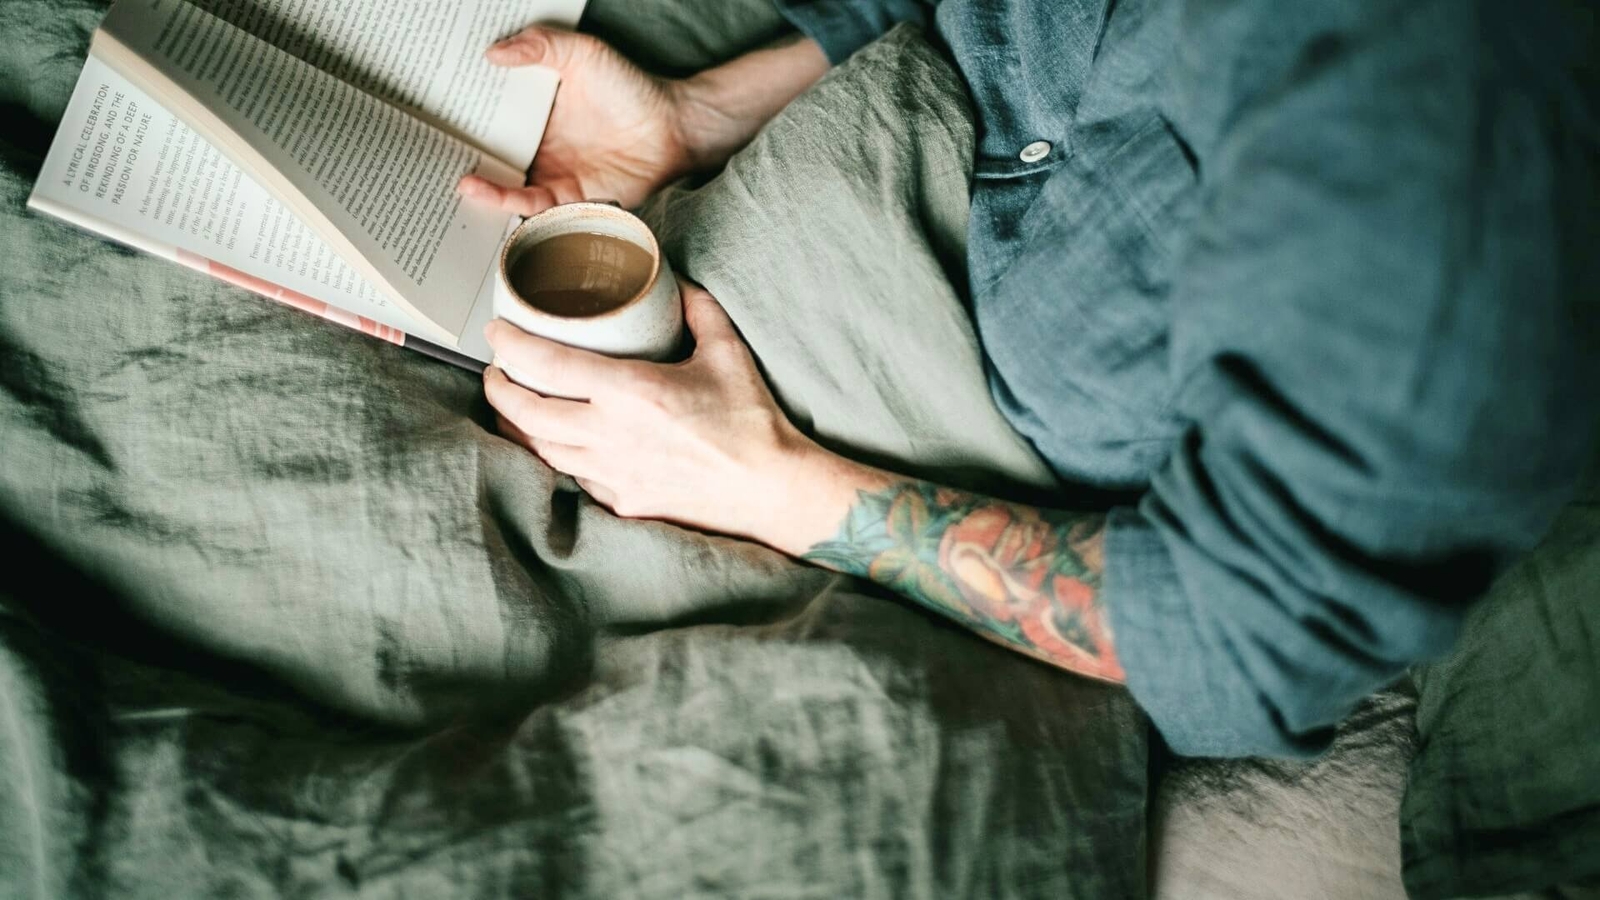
(1025, 577)
(722, 108)
(703, 443)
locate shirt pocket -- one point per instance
(1155, 176)
(1089, 291)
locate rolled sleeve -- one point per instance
(1185, 679)
(1383, 339)
(844, 26)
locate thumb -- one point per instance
(540, 45)
(707, 320)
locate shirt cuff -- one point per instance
(1181, 673)
(844, 26)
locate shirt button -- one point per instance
(1034, 152)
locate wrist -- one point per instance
(801, 493)
(706, 132)
(719, 110)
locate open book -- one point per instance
(309, 151)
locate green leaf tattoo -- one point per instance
(1027, 578)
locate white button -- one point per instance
(1035, 151)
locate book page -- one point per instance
(123, 166)
(377, 184)
(425, 55)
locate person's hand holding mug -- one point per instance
(619, 133)
(699, 441)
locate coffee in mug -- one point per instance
(590, 275)
(580, 274)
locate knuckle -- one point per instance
(595, 490)
(552, 454)
(535, 43)
(494, 389)
(716, 345)
(644, 383)
(524, 202)
(503, 396)
(725, 353)
(511, 408)
(581, 43)
(564, 48)
(503, 337)
(511, 398)
(526, 351)
(565, 192)
(633, 493)
(529, 413)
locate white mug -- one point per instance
(647, 326)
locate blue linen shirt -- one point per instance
(1314, 284)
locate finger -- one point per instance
(542, 46)
(526, 201)
(599, 492)
(509, 430)
(575, 461)
(537, 416)
(707, 320)
(535, 445)
(567, 370)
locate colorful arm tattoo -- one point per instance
(1026, 578)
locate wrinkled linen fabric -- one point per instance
(1274, 829)
(1504, 792)
(287, 618)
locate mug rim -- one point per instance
(610, 210)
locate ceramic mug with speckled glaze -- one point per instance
(647, 326)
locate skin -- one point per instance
(702, 442)
(619, 133)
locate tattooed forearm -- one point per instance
(1027, 578)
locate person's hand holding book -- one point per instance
(619, 133)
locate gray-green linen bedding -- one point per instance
(287, 618)
(284, 617)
